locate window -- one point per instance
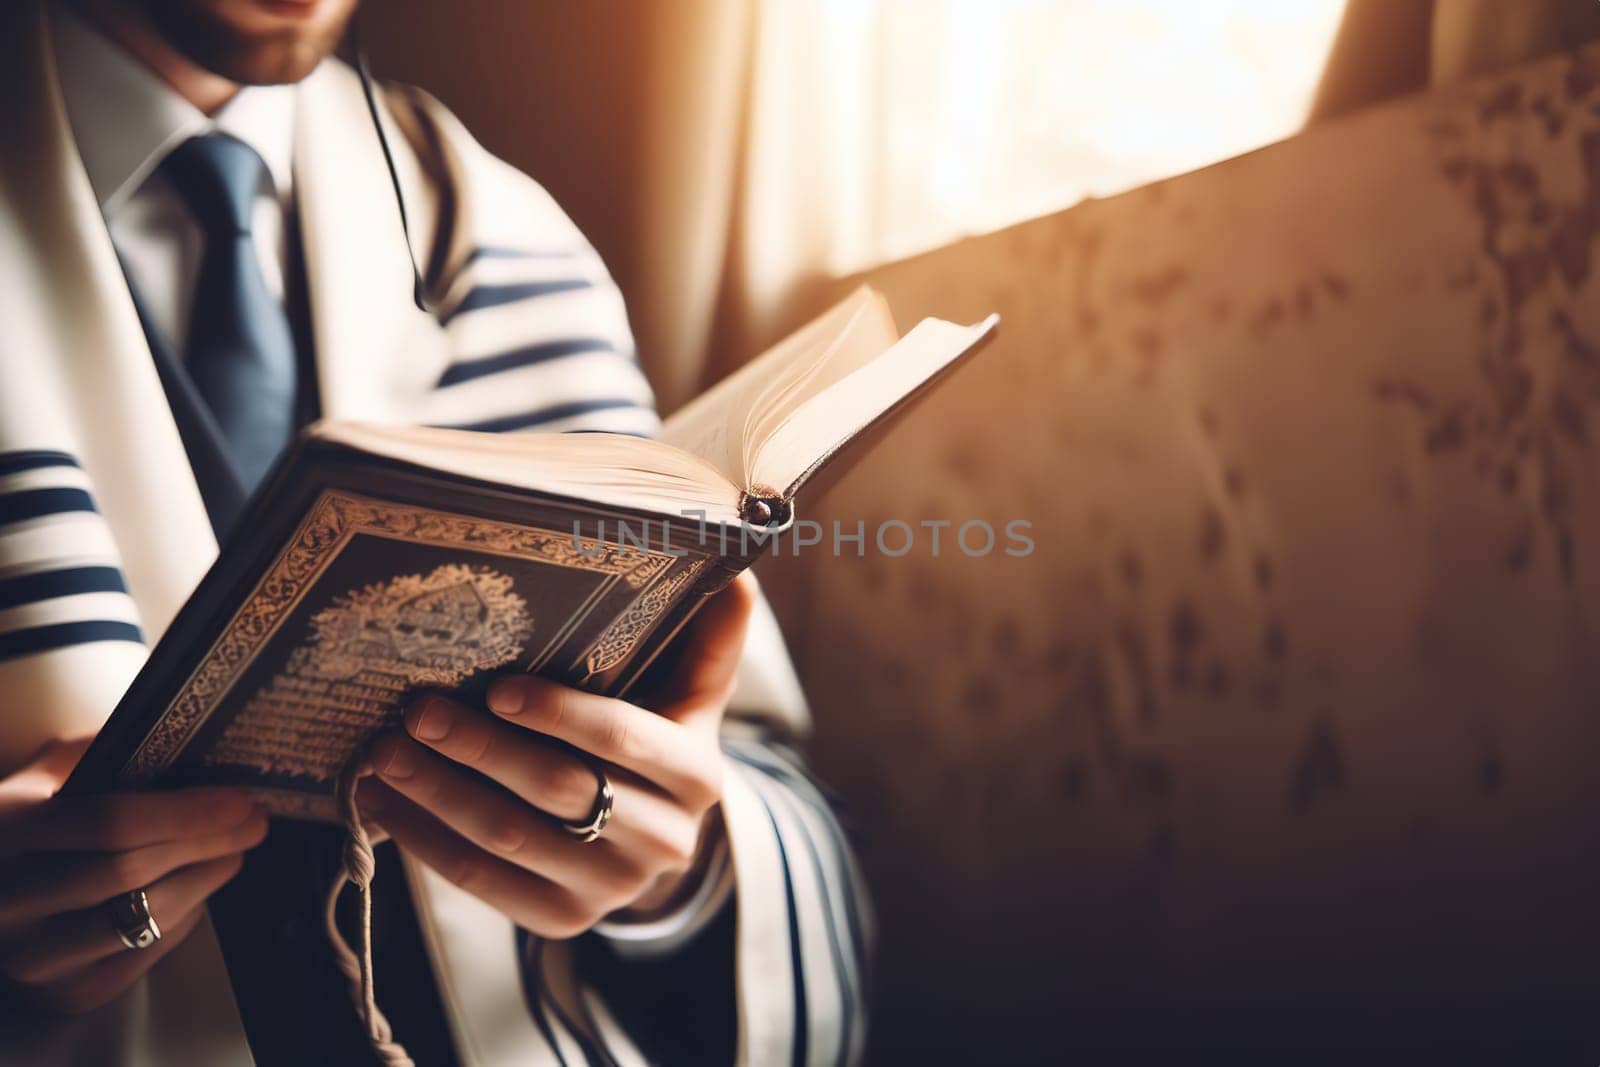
(914, 122)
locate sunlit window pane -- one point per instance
(941, 118)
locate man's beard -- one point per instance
(266, 57)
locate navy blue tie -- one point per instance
(241, 352)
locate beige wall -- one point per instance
(1286, 732)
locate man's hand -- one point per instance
(477, 795)
(63, 858)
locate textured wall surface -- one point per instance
(1286, 734)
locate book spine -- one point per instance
(717, 577)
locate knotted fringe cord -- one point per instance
(357, 870)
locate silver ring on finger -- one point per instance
(604, 800)
(131, 919)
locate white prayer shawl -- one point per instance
(531, 334)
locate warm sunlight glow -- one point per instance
(948, 117)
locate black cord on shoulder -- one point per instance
(419, 291)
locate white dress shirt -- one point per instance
(125, 120)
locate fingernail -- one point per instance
(395, 760)
(507, 839)
(505, 696)
(434, 720)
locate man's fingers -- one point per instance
(52, 949)
(644, 823)
(43, 885)
(677, 759)
(117, 822)
(548, 776)
(545, 774)
(101, 981)
(493, 819)
(534, 903)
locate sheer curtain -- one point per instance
(916, 121)
(880, 128)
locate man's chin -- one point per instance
(262, 63)
(312, 20)
(291, 9)
(253, 42)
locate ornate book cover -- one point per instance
(361, 582)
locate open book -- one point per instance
(381, 560)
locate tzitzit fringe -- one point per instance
(357, 870)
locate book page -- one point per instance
(847, 401)
(727, 424)
(606, 468)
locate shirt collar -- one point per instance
(125, 119)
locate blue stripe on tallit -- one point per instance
(490, 296)
(27, 504)
(483, 366)
(37, 639)
(65, 581)
(540, 416)
(507, 252)
(33, 459)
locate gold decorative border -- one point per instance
(619, 639)
(330, 523)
